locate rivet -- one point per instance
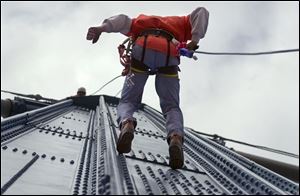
(15, 150)
(62, 160)
(43, 156)
(53, 158)
(34, 153)
(4, 147)
(24, 152)
(71, 162)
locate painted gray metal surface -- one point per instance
(70, 148)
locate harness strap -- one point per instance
(157, 32)
(168, 54)
(144, 48)
(140, 67)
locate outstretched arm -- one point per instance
(120, 23)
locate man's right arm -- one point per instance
(120, 23)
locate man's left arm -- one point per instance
(199, 22)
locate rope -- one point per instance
(247, 144)
(248, 53)
(106, 84)
(118, 92)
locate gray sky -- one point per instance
(249, 98)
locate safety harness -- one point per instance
(157, 32)
(135, 65)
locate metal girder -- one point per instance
(70, 148)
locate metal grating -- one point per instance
(70, 148)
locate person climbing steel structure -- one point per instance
(155, 51)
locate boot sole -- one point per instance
(124, 142)
(176, 157)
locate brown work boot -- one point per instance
(126, 136)
(175, 150)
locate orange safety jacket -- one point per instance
(178, 26)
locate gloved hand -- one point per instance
(192, 45)
(94, 33)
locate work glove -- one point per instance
(94, 33)
(192, 45)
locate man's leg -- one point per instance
(131, 98)
(168, 91)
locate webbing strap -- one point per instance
(146, 72)
(137, 70)
(168, 54)
(139, 67)
(144, 48)
(157, 32)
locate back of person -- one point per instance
(154, 52)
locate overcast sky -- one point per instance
(249, 98)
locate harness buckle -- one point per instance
(152, 72)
